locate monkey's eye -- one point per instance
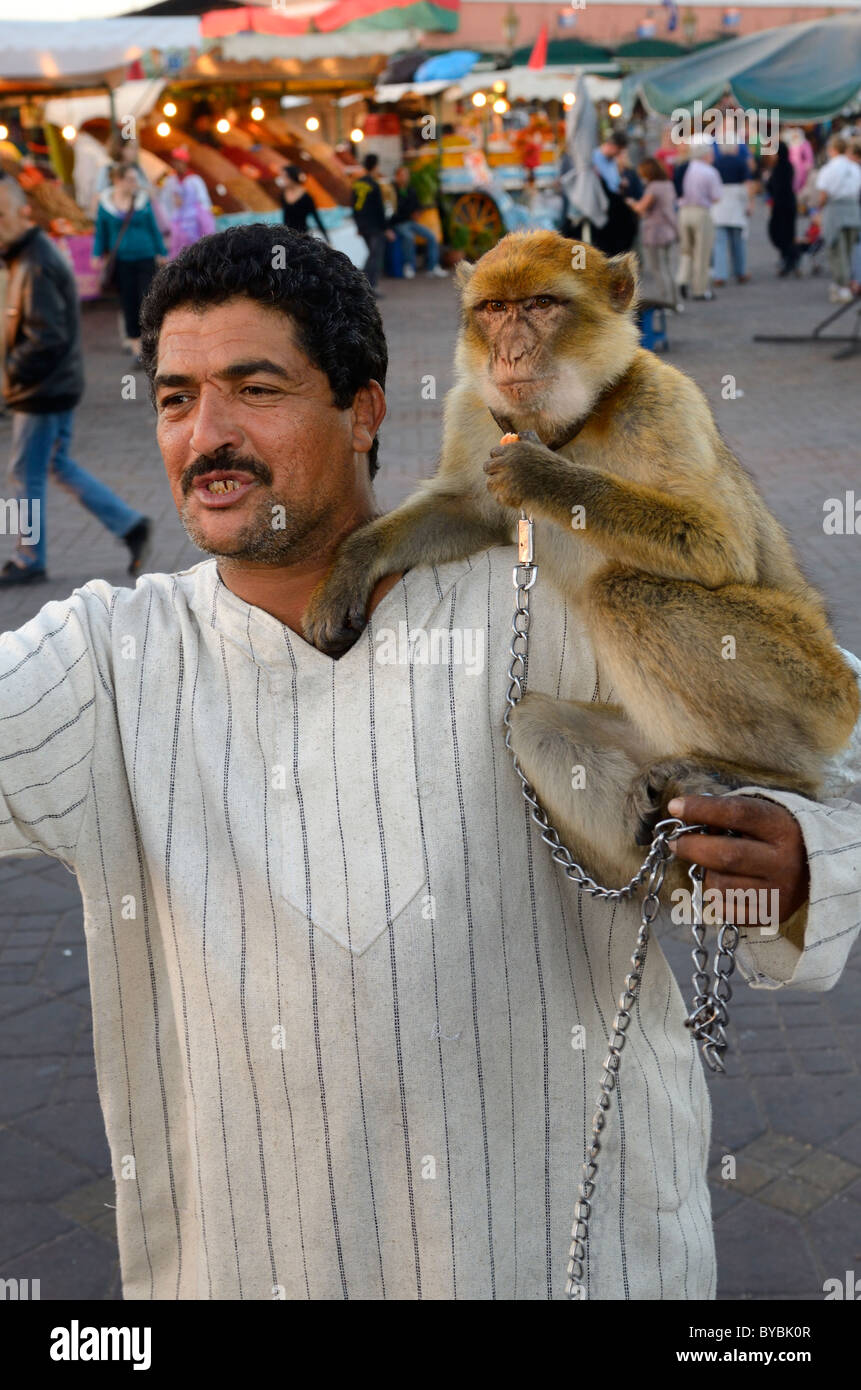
(496, 305)
(544, 301)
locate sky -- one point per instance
(69, 9)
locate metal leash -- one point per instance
(709, 1016)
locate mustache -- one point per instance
(227, 460)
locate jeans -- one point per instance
(730, 244)
(40, 445)
(408, 231)
(376, 244)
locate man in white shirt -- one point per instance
(349, 1018)
(839, 185)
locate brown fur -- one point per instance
(678, 552)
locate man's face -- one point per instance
(239, 402)
(14, 219)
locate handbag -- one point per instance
(108, 282)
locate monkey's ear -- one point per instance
(463, 272)
(622, 280)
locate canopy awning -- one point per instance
(546, 84)
(807, 72)
(295, 17)
(86, 48)
(131, 99)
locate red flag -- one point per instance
(538, 56)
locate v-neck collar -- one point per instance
(273, 645)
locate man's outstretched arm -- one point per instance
(47, 730)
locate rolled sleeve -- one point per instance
(829, 922)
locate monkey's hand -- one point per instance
(656, 786)
(337, 609)
(526, 473)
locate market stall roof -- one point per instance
(130, 99)
(86, 48)
(566, 53)
(295, 17)
(807, 72)
(528, 84)
(396, 91)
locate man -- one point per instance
(370, 217)
(604, 159)
(701, 189)
(730, 214)
(349, 1018)
(839, 186)
(42, 383)
(403, 223)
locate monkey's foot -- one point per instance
(335, 617)
(653, 789)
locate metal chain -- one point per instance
(709, 1016)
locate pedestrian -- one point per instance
(731, 212)
(659, 225)
(128, 241)
(604, 160)
(801, 157)
(701, 189)
(839, 187)
(324, 1002)
(297, 205)
(630, 185)
(43, 382)
(370, 217)
(780, 188)
(187, 202)
(403, 222)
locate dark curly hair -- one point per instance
(329, 301)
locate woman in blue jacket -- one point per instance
(125, 220)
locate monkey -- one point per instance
(677, 551)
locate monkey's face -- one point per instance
(547, 323)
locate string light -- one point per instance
(4, 132)
(479, 99)
(162, 129)
(500, 106)
(69, 132)
(222, 126)
(312, 123)
(257, 112)
(357, 135)
(169, 108)
(499, 86)
(569, 98)
(614, 110)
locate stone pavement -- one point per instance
(789, 1111)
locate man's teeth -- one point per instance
(223, 485)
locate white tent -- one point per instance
(87, 47)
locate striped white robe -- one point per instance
(335, 976)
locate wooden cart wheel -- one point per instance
(478, 213)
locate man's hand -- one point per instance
(769, 852)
